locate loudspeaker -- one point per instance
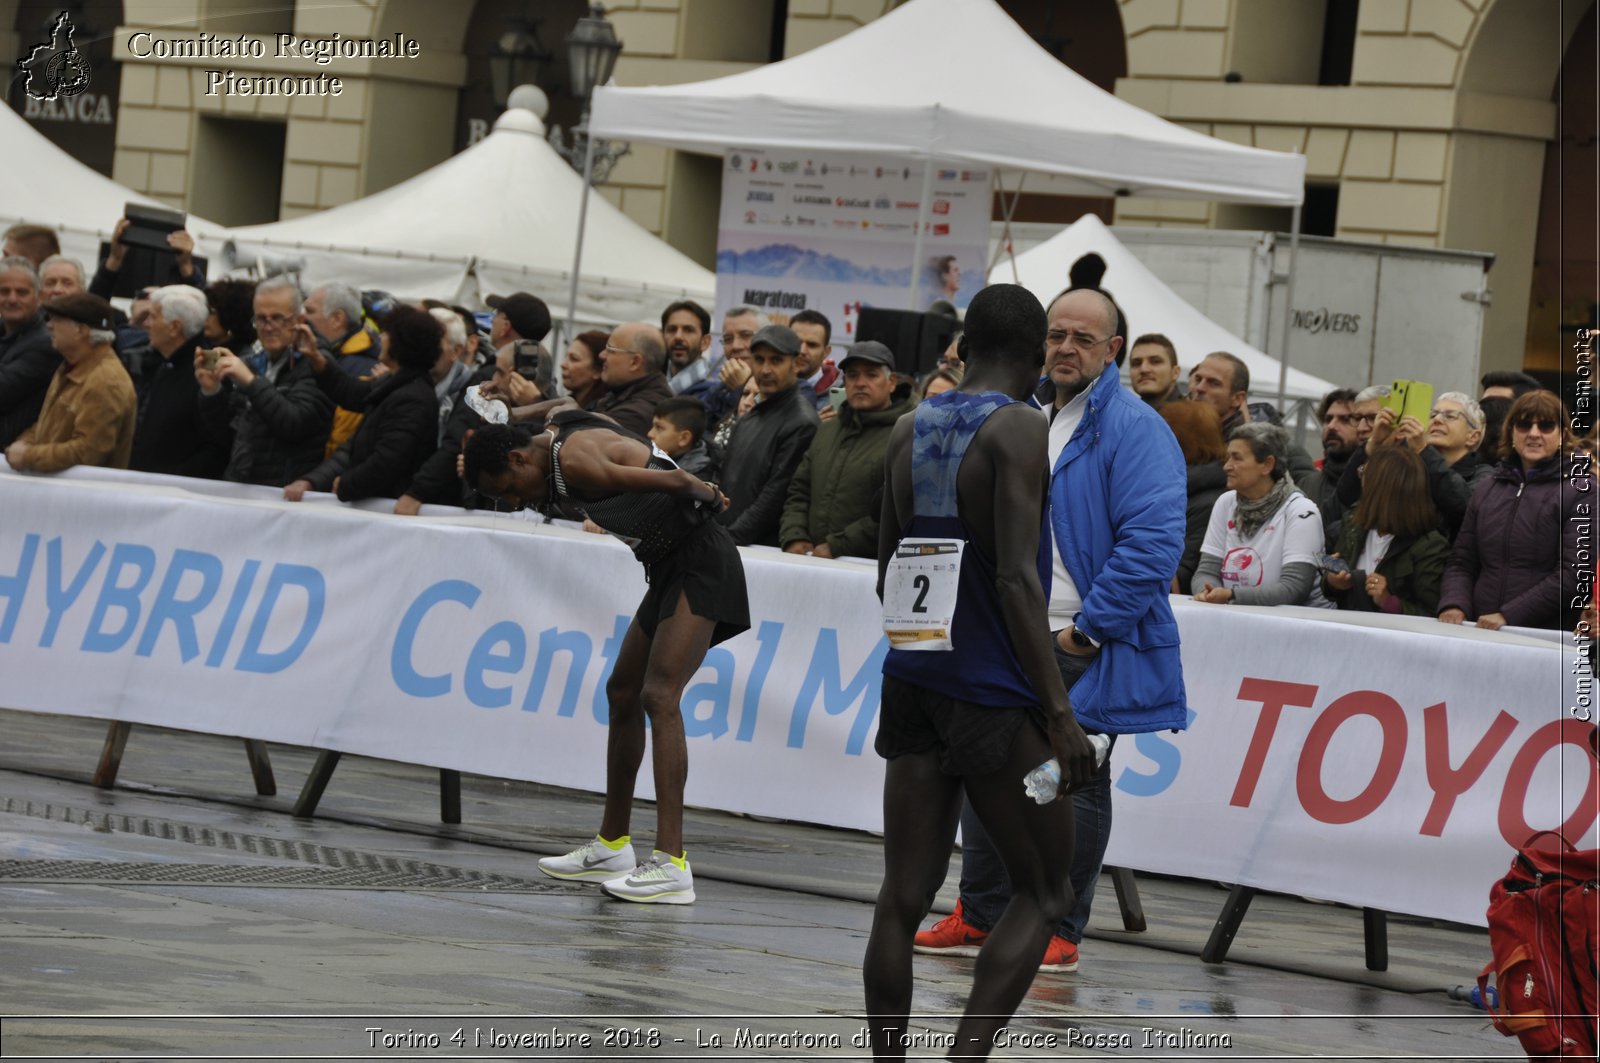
(917, 340)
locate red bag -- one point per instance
(1544, 928)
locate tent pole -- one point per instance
(1007, 209)
(1288, 309)
(577, 252)
(922, 225)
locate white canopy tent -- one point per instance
(954, 80)
(495, 218)
(42, 185)
(1149, 304)
(958, 80)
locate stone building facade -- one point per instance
(1429, 126)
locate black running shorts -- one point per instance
(969, 739)
(706, 568)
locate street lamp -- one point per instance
(592, 50)
(518, 59)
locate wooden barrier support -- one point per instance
(1128, 900)
(305, 807)
(1374, 926)
(105, 772)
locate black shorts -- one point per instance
(706, 568)
(970, 739)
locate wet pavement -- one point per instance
(180, 915)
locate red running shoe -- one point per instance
(951, 936)
(1061, 955)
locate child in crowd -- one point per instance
(676, 429)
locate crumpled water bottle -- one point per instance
(492, 410)
(1042, 782)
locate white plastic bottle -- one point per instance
(1042, 782)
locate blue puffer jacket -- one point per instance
(1124, 461)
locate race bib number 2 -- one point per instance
(919, 593)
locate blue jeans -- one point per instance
(985, 890)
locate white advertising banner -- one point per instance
(836, 232)
(1386, 766)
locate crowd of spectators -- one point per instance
(1472, 516)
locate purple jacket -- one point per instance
(1518, 550)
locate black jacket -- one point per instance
(172, 436)
(27, 362)
(397, 432)
(1322, 487)
(436, 481)
(279, 430)
(1449, 491)
(765, 450)
(633, 405)
(1205, 485)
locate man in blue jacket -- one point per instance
(1117, 499)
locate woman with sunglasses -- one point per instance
(1516, 559)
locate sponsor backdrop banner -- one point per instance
(836, 232)
(1387, 766)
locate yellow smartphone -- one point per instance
(1419, 401)
(1396, 399)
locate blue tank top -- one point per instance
(983, 667)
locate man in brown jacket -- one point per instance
(90, 407)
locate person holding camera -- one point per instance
(178, 267)
(279, 416)
(399, 424)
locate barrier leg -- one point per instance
(1128, 899)
(449, 796)
(255, 752)
(105, 773)
(310, 794)
(1375, 927)
(1216, 950)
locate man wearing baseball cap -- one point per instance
(90, 407)
(518, 316)
(830, 510)
(768, 442)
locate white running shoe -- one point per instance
(592, 860)
(656, 881)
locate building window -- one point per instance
(236, 173)
(1338, 42)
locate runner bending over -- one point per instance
(585, 464)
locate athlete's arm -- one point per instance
(1017, 461)
(896, 495)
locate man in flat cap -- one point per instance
(768, 442)
(90, 407)
(836, 495)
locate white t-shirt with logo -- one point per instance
(1293, 534)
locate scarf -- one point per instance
(1249, 515)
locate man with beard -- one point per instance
(686, 326)
(1340, 439)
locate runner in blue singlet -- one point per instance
(970, 465)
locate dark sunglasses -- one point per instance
(1527, 424)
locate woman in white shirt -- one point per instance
(1264, 544)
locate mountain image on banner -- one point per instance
(788, 260)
